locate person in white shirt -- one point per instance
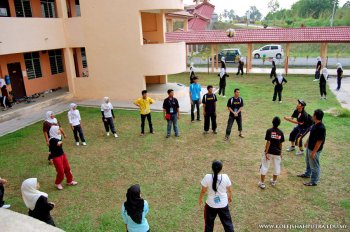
(219, 192)
(75, 123)
(108, 116)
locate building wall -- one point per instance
(37, 85)
(112, 34)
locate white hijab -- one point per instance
(191, 68)
(318, 58)
(54, 133)
(339, 66)
(30, 194)
(106, 105)
(223, 59)
(241, 59)
(72, 105)
(49, 119)
(279, 77)
(325, 73)
(222, 72)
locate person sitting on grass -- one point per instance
(51, 120)
(60, 159)
(75, 122)
(218, 187)
(134, 211)
(36, 201)
(273, 153)
(314, 147)
(2, 193)
(144, 103)
(108, 116)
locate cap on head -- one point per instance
(302, 102)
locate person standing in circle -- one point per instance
(134, 211)
(273, 69)
(240, 67)
(234, 106)
(318, 69)
(323, 84)
(218, 188)
(279, 81)
(339, 75)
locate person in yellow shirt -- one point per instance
(144, 103)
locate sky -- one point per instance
(240, 7)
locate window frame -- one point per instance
(32, 61)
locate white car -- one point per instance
(271, 50)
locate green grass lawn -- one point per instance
(170, 170)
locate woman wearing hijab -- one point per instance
(60, 159)
(222, 84)
(50, 120)
(108, 116)
(323, 83)
(223, 63)
(218, 187)
(192, 74)
(273, 69)
(279, 81)
(75, 123)
(339, 75)
(37, 201)
(134, 211)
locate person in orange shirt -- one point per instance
(144, 103)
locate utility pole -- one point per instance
(332, 17)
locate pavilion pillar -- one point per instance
(323, 53)
(286, 59)
(186, 54)
(217, 57)
(212, 58)
(249, 57)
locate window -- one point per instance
(56, 62)
(32, 61)
(265, 48)
(48, 8)
(77, 7)
(4, 8)
(23, 8)
(83, 57)
(274, 47)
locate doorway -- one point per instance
(16, 77)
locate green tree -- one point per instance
(273, 5)
(231, 14)
(255, 13)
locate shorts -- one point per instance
(265, 164)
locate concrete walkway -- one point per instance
(15, 222)
(343, 95)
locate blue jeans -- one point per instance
(313, 166)
(173, 121)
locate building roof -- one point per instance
(202, 15)
(277, 35)
(181, 14)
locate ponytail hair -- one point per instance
(216, 167)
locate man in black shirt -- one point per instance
(302, 128)
(240, 67)
(209, 110)
(273, 69)
(339, 75)
(314, 147)
(234, 106)
(273, 152)
(171, 113)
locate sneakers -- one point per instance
(289, 149)
(273, 182)
(72, 183)
(299, 153)
(77, 143)
(224, 96)
(142, 134)
(215, 132)
(107, 134)
(84, 144)
(226, 138)
(167, 136)
(115, 135)
(316, 79)
(280, 102)
(262, 185)
(205, 132)
(5, 206)
(59, 186)
(240, 135)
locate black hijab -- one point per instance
(134, 203)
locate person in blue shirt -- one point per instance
(195, 97)
(134, 211)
